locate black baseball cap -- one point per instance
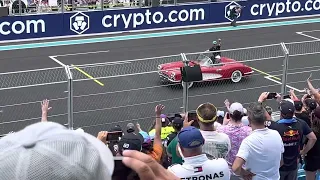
(286, 107)
(130, 127)
(298, 105)
(177, 121)
(130, 141)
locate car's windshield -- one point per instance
(204, 60)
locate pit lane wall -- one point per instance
(118, 20)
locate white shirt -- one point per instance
(216, 144)
(216, 125)
(245, 120)
(200, 167)
(262, 150)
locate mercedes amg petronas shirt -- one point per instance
(200, 167)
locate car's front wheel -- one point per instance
(189, 84)
(236, 76)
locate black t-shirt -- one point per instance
(315, 150)
(169, 138)
(215, 48)
(292, 136)
(304, 116)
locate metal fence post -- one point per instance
(20, 7)
(185, 87)
(102, 5)
(70, 97)
(73, 5)
(62, 6)
(285, 69)
(140, 3)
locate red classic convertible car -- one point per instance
(226, 69)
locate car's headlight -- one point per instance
(159, 67)
(173, 75)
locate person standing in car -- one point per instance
(216, 47)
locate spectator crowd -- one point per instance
(208, 144)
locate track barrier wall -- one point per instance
(111, 20)
(132, 88)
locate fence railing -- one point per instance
(127, 91)
(20, 7)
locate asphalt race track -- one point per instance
(126, 96)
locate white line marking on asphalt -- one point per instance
(316, 30)
(300, 72)
(103, 64)
(301, 33)
(278, 82)
(83, 53)
(56, 60)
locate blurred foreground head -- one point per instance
(49, 151)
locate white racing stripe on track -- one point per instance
(302, 34)
(56, 60)
(278, 82)
(83, 53)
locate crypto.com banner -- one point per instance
(78, 23)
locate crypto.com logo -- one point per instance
(228, 8)
(79, 23)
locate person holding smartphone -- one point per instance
(313, 91)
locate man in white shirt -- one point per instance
(260, 152)
(217, 145)
(196, 165)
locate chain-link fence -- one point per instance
(299, 66)
(129, 93)
(21, 94)
(97, 97)
(19, 7)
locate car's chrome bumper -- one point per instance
(166, 78)
(248, 73)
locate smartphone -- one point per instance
(114, 136)
(286, 97)
(121, 171)
(272, 95)
(193, 116)
(228, 115)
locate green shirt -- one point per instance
(173, 152)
